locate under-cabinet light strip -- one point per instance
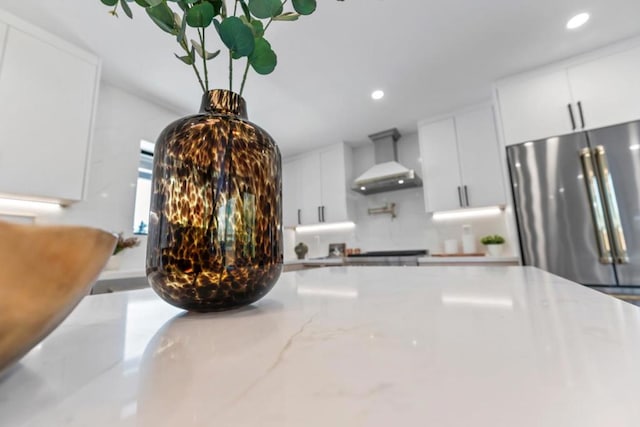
(467, 213)
(336, 226)
(27, 206)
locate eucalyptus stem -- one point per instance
(186, 49)
(244, 77)
(204, 58)
(230, 71)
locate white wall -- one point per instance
(122, 120)
(413, 228)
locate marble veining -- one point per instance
(355, 346)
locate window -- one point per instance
(143, 189)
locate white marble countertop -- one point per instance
(467, 259)
(408, 346)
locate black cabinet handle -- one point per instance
(466, 196)
(573, 119)
(581, 114)
(323, 220)
(319, 213)
(460, 197)
(299, 216)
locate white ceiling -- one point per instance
(428, 56)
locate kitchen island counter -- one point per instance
(346, 346)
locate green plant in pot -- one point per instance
(215, 235)
(494, 244)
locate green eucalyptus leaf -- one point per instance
(187, 59)
(162, 15)
(142, 3)
(236, 36)
(198, 48)
(200, 15)
(217, 6)
(287, 16)
(211, 55)
(304, 7)
(183, 27)
(151, 2)
(125, 7)
(110, 2)
(264, 9)
(256, 26)
(263, 59)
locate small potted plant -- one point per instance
(115, 260)
(494, 244)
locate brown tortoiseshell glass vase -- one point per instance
(215, 236)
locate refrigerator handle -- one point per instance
(460, 197)
(466, 195)
(597, 209)
(611, 202)
(573, 119)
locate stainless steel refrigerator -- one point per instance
(577, 202)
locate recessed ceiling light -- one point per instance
(363, 188)
(401, 181)
(578, 21)
(377, 94)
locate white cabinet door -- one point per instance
(46, 104)
(480, 159)
(440, 167)
(536, 107)
(334, 192)
(290, 203)
(310, 188)
(608, 89)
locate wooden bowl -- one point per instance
(44, 273)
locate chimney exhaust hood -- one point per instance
(387, 174)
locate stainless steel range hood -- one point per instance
(387, 174)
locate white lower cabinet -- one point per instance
(47, 98)
(315, 186)
(461, 162)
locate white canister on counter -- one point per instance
(451, 246)
(468, 240)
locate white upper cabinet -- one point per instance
(334, 185)
(461, 161)
(289, 193)
(315, 187)
(47, 98)
(310, 192)
(442, 183)
(535, 108)
(480, 159)
(571, 98)
(608, 89)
